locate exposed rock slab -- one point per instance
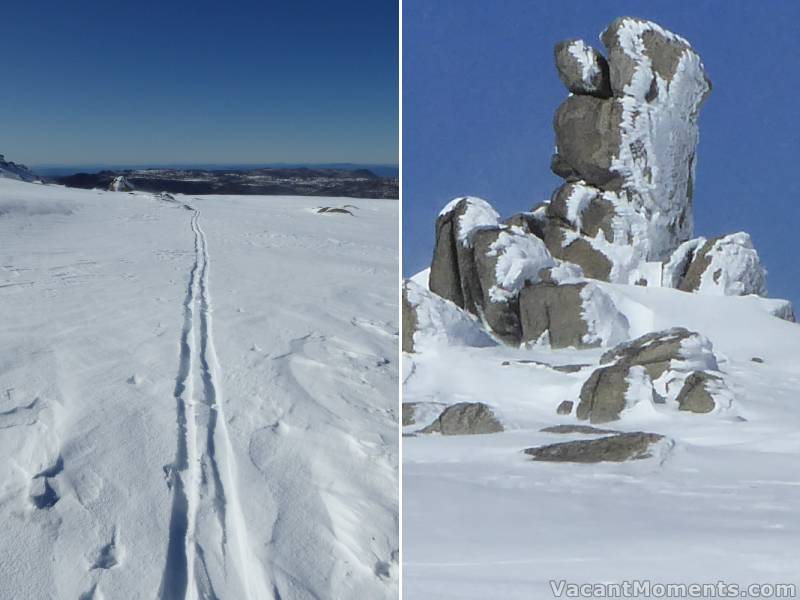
(571, 428)
(615, 448)
(465, 418)
(409, 321)
(695, 395)
(602, 396)
(654, 351)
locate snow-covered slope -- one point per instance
(482, 520)
(197, 396)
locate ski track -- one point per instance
(206, 520)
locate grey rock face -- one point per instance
(602, 397)
(448, 254)
(528, 223)
(653, 351)
(554, 308)
(596, 215)
(582, 69)
(562, 168)
(588, 138)
(408, 413)
(615, 448)
(698, 263)
(694, 395)
(579, 251)
(409, 322)
(465, 418)
(502, 317)
(565, 407)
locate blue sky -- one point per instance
(97, 82)
(480, 90)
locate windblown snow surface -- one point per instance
(482, 520)
(197, 396)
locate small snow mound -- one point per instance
(441, 320)
(606, 324)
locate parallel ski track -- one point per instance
(202, 477)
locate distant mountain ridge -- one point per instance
(11, 170)
(300, 181)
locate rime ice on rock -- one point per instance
(639, 145)
(626, 141)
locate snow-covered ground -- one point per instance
(197, 396)
(482, 520)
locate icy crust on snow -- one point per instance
(658, 137)
(735, 269)
(585, 57)
(520, 257)
(439, 320)
(606, 325)
(478, 214)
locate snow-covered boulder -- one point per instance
(427, 316)
(582, 69)
(578, 315)
(11, 170)
(481, 264)
(675, 367)
(724, 266)
(453, 275)
(120, 184)
(658, 350)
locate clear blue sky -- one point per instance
(98, 82)
(480, 90)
